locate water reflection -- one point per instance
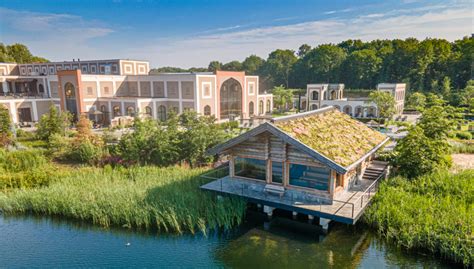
(28, 241)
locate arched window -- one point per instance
(269, 106)
(251, 112)
(303, 105)
(348, 110)
(207, 110)
(148, 111)
(333, 95)
(314, 107)
(315, 95)
(372, 111)
(162, 113)
(260, 107)
(41, 88)
(130, 111)
(116, 111)
(358, 111)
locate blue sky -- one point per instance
(193, 33)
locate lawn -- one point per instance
(434, 212)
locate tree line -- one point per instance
(424, 65)
(18, 53)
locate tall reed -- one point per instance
(168, 199)
(434, 212)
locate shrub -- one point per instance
(28, 179)
(54, 122)
(464, 135)
(86, 152)
(21, 160)
(6, 135)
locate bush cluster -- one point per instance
(179, 139)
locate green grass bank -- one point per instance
(168, 199)
(433, 212)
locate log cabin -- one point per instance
(319, 163)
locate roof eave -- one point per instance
(372, 151)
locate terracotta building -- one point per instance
(109, 89)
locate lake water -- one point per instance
(42, 242)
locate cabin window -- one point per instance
(277, 172)
(309, 177)
(250, 168)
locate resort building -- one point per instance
(323, 95)
(107, 90)
(319, 163)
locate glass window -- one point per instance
(309, 176)
(162, 113)
(277, 172)
(251, 168)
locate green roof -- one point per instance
(333, 134)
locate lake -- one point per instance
(44, 242)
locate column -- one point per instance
(180, 98)
(34, 111)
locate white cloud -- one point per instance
(55, 36)
(199, 51)
(63, 36)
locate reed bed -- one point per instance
(168, 199)
(434, 212)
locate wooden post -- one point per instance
(231, 166)
(286, 166)
(332, 183)
(269, 171)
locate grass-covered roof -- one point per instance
(333, 134)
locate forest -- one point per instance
(423, 64)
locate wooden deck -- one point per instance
(346, 208)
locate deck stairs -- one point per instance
(374, 170)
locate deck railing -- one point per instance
(256, 191)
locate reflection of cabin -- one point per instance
(321, 157)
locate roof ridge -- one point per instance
(304, 114)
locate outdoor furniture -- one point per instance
(274, 189)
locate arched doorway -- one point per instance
(70, 98)
(230, 99)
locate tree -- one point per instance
(282, 97)
(200, 134)
(232, 66)
(252, 65)
(278, 66)
(385, 103)
(303, 49)
(323, 63)
(446, 87)
(6, 134)
(434, 100)
(437, 122)
(417, 101)
(361, 68)
(20, 53)
(214, 66)
(417, 154)
(4, 54)
(54, 122)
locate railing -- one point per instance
(24, 95)
(326, 205)
(368, 192)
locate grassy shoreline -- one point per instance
(168, 199)
(434, 212)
